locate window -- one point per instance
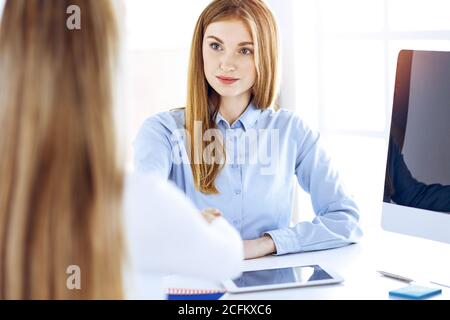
(157, 44)
(346, 53)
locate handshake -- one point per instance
(254, 248)
(210, 214)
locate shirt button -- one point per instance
(237, 192)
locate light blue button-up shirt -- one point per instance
(265, 151)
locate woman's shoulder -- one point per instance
(148, 197)
(137, 186)
(285, 118)
(170, 120)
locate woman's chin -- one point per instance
(228, 92)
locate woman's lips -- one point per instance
(227, 80)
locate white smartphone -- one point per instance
(280, 278)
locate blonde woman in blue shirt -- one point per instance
(230, 148)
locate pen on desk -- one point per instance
(395, 276)
(441, 284)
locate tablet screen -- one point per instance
(301, 274)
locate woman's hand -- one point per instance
(211, 214)
(259, 247)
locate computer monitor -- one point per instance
(417, 179)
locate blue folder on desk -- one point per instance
(202, 296)
(415, 292)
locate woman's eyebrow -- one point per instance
(215, 38)
(245, 43)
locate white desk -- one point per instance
(416, 258)
(357, 264)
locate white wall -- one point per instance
(284, 14)
(157, 42)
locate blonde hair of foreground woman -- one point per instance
(60, 178)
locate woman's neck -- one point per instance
(231, 108)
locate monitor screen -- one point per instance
(417, 177)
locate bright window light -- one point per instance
(353, 85)
(419, 15)
(347, 53)
(351, 15)
(155, 24)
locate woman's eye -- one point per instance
(246, 51)
(215, 46)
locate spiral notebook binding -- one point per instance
(186, 291)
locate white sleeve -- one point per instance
(165, 233)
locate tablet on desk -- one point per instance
(280, 278)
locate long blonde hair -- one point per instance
(60, 178)
(203, 102)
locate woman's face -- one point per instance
(228, 58)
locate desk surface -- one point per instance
(419, 259)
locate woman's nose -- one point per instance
(227, 64)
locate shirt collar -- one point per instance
(247, 119)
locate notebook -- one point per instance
(184, 288)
